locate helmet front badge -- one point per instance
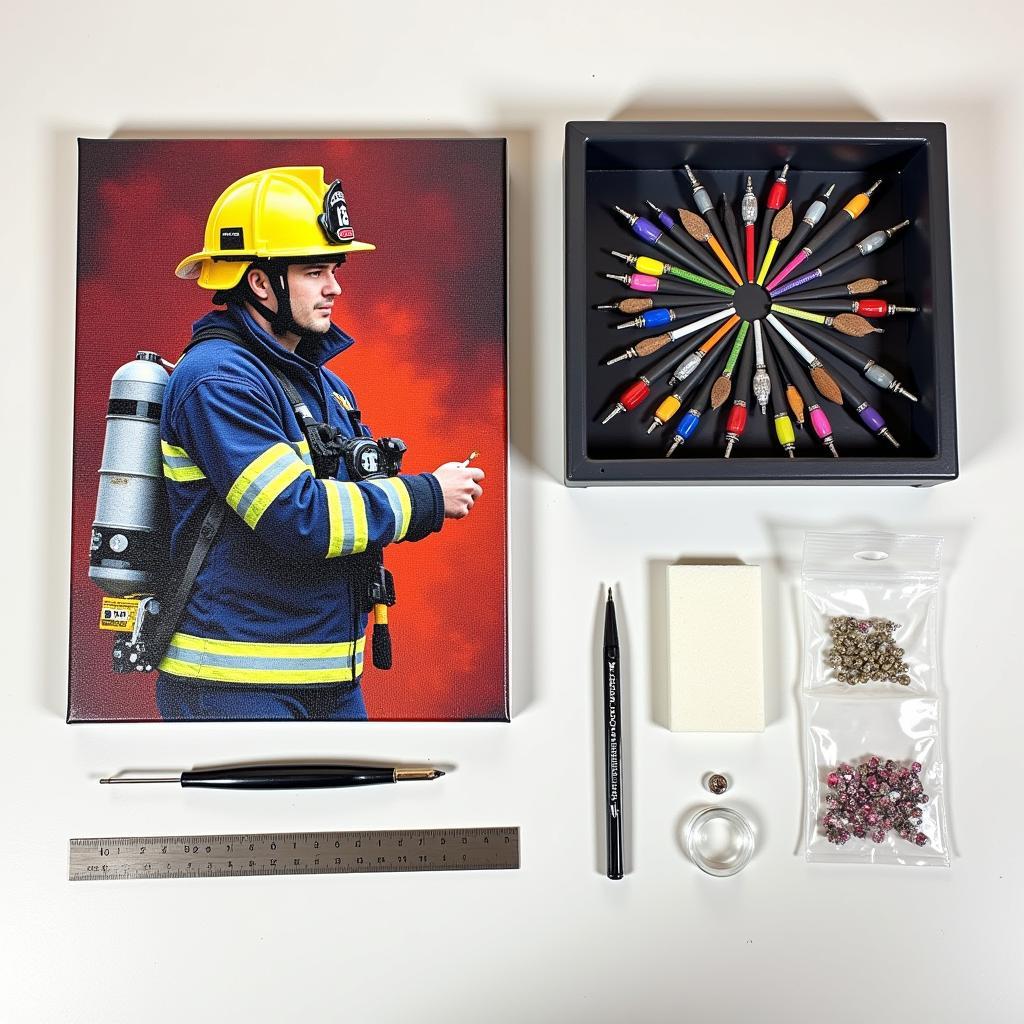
(334, 221)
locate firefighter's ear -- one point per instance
(258, 282)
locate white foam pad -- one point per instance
(716, 661)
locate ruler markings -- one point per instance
(294, 853)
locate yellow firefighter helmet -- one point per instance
(279, 213)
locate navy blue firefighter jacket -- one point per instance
(278, 600)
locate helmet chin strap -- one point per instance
(281, 320)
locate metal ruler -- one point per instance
(295, 853)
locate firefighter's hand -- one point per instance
(460, 487)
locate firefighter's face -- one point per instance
(312, 289)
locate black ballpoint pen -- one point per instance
(289, 776)
(612, 741)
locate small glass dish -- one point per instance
(720, 841)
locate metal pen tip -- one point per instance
(615, 412)
(675, 444)
(830, 190)
(611, 305)
(609, 593)
(888, 436)
(871, 191)
(126, 779)
(654, 426)
(618, 359)
(656, 209)
(901, 390)
(728, 447)
(832, 449)
(789, 452)
(785, 171)
(417, 774)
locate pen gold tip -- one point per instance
(417, 774)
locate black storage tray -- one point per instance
(626, 163)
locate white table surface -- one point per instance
(556, 940)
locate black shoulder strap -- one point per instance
(173, 602)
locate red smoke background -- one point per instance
(427, 310)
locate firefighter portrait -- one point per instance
(276, 488)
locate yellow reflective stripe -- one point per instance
(263, 480)
(336, 533)
(346, 517)
(401, 505)
(263, 500)
(230, 661)
(361, 533)
(242, 648)
(177, 463)
(253, 470)
(219, 674)
(184, 473)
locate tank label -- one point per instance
(118, 613)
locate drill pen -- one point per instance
(876, 309)
(736, 422)
(647, 283)
(660, 317)
(780, 414)
(777, 196)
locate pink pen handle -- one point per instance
(787, 269)
(643, 283)
(820, 423)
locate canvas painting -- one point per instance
(290, 460)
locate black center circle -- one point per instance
(751, 302)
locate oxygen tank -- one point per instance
(129, 536)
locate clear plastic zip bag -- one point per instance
(871, 700)
(866, 578)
